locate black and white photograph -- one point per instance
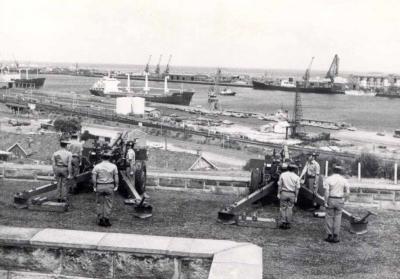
(212, 139)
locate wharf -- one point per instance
(106, 113)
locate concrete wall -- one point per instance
(54, 253)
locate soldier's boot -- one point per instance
(335, 238)
(329, 238)
(100, 222)
(107, 222)
(288, 226)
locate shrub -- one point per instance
(67, 125)
(369, 165)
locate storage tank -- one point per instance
(137, 105)
(123, 105)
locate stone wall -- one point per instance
(54, 253)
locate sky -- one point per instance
(265, 34)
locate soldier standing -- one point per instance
(75, 147)
(310, 174)
(105, 183)
(62, 169)
(131, 157)
(337, 188)
(288, 190)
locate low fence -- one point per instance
(191, 180)
(379, 193)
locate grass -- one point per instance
(297, 253)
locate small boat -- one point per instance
(360, 93)
(381, 134)
(227, 92)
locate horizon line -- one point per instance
(196, 66)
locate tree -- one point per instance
(67, 125)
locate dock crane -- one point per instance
(147, 68)
(166, 72)
(333, 69)
(157, 70)
(307, 73)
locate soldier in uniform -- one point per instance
(310, 174)
(105, 183)
(288, 190)
(62, 169)
(131, 157)
(75, 147)
(337, 188)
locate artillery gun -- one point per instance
(263, 187)
(134, 189)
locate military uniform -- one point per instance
(75, 147)
(61, 161)
(312, 172)
(105, 177)
(131, 157)
(288, 187)
(335, 187)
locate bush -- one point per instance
(67, 125)
(369, 165)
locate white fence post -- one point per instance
(326, 168)
(395, 173)
(359, 171)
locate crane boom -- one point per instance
(166, 72)
(157, 71)
(307, 73)
(333, 69)
(147, 68)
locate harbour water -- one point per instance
(373, 114)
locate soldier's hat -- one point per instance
(106, 154)
(131, 143)
(64, 140)
(338, 167)
(314, 154)
(293, 166)
(284, 166)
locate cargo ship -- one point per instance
(14, 79)
(328, 85)
(109, 87)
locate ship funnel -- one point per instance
(146, 88)
(166, 90)
(27, 75)
(128, 83)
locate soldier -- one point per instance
(288, 190)
(62, 169)
(75, 147)
(105, 183)
(310, 174)
(337, 188)
(131, 157)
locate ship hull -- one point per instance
(29, 83)
(176, 98)
(317, 90)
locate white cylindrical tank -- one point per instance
(138, 105)
(123, 105)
